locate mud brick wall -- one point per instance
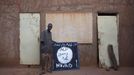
(9, 26)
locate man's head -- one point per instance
(49, 27)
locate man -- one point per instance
(46, 50)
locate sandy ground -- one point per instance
(81, 71)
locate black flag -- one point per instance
(65, 56)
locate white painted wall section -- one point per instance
(29, 38)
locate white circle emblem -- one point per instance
(64, 55)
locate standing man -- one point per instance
(46, 43)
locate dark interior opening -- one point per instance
(107, 14)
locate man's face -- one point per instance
(49, 27)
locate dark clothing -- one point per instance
(46, 62)
(46, 51)
(46, 42)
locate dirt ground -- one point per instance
(81, 71)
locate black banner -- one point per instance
(65, 56)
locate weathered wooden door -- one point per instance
(29, 38)
(107, 34)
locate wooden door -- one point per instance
(107, 34)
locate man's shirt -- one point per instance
(46, 42)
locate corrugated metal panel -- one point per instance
(71, 27)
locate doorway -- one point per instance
(107, 34)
